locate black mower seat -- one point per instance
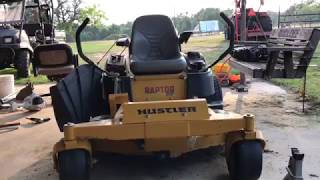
(154, 47)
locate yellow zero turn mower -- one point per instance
(155, 100)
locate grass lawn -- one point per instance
(313, 80)
(35, 80)
(210, 46)
(95, 47)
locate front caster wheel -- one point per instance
(74, 164)
(245, 160)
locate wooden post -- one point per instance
(243, 21)
(273, 58)
(288, 64)
(304, 91)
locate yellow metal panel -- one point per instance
(159, 87)
(175, 110)
(130, 147)
(58, 147)
(107, 130)
(77, 144)
(166, 144)
(118, 116)
(115, 101)
(201, 142)
(224, 115)
(160, 76)
(184, 144)
(166, 129)
(212, 127)
(178, 146)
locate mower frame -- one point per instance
(142, 123)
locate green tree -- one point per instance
(66, 13)
(212, 14)
(96, 15)
(306, 7)
(208, 14)
(183, 22)
(310, 6)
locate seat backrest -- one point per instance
(53, 55)
(154, 38)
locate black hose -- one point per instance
(231, 43)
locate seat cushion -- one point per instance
(59, 70)
(169, 66)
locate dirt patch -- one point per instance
(276, 124)
(279, 115)
(27, 151)
(261, 94)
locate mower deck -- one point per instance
(176, 132)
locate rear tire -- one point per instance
(74, 164)
(245, 160)
(22, 61)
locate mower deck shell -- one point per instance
(176, 132)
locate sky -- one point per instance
(122, 11)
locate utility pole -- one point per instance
(243, 21)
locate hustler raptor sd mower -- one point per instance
(155, 100)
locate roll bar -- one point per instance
(78, 41)
(223, 55)
(79, 48)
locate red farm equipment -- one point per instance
(258, 24)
